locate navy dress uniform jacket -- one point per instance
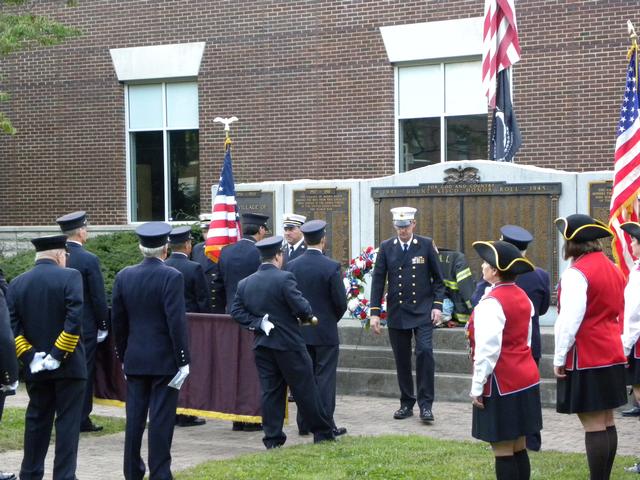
(275, 292)
(45, 304)
(149, 320)
(8, 361)
(212, 273)
(95, 313)
(237, 262)
(320, 280)
(415, 282)
(196, 296)
(288, 256)
(537, 286)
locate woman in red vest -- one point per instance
(631, 332)
(505, 388)
(589, 360)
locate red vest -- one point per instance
(598, 342)
(515, 369)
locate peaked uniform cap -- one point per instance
(581, 228)
(254, 219)
(403, 216)
(504, 256)
(153, 234)
(71, 221)
(205, 220)
(50, 242)
(632, 228)
(269, 246)
(313, 231)
(293, 220)
(180, 235)
(516, 235)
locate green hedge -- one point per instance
(115, 251)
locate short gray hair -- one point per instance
(155, 252)
(74, 232)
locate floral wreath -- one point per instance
(354, 281)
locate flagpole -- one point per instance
(633, 36)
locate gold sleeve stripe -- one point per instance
(69, 336)
(22, 345)
(437, 301)
(67, 342)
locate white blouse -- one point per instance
(573, 305)
(631, 330)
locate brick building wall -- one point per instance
(309, 80)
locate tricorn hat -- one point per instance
(581, 228)
(504, 256)
(632, 228)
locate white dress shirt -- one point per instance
(573, 305)
(631, 331)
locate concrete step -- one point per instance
(447, 361)
(449, 386)
(443, 338)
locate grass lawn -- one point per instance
(390, 457)
(12, 428)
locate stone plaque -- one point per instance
(334, 207)
(257, 201)
(456, 215)
(599, 202)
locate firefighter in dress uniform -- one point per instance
(45, 305)
(505, 389)
(8, 362)
(589, 360)
(210, 268)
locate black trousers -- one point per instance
(61, 399)
(90, 345)
(147, 394)
(324, 359)
(425, 367)
(277, 369)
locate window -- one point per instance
(442, 114)
(162, 125)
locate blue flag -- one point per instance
(505, 134)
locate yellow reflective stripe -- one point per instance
(437, 301)
(451, 285)
(462, 274)
(462, 318)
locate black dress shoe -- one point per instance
(252, 427)
(89, 426)
(237, 426)
(632, 412)
(7, 476)
(339, 431)
(404, 412)
(426, 415)
(189, 421)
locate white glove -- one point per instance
(9, 388)
(37, 364)
(181, 376)
(102, 335)
(50, 363)
(265, 325)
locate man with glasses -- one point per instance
(95, 313)
(410, 266)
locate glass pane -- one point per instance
(145, 107)
(463, 88)
(420, 91)
(185, 174)
(420, 143)
(182, 105)
(147, 160)
(467, 138)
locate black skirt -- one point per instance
(592, 390)
(507, 417)
(633, 370)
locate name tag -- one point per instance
(417, 260)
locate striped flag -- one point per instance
(224, 227)
(501, 47)
(626, 177)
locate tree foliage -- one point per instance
(20, 29)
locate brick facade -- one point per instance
(309, 80)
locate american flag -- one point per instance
(626, 178)
(501, 47)
(224, 227)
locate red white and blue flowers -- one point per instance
(354, 282)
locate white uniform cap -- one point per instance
(293, 220)
(205, 219)
(402, 216)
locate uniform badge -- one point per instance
(417, 260)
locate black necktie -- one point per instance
(405, 247)
(290, 251)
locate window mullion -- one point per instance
(165, 150)
(443, 124)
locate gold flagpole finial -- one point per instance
(226, 122)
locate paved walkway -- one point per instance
(101, 457)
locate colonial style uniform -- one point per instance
(95, 313)
(150, 329)
(320, 281)
(587, 330)
(45, 305)
(631, 331)
(269, 303)
(415, 287)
